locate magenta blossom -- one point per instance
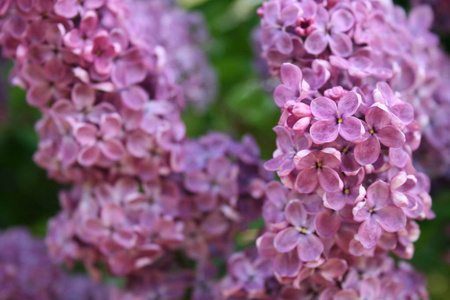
(379, 131)
(376, 214)
(334, 120)
(293, 87)
(318, 168)
(300, 235)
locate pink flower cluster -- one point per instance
(110, 86)
(26, 272)
(375, 277)
(352, 73)
(128, 223)
(354, 44)
(111, 82)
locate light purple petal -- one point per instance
(341, 44)
(391, 136)
(86, 134)
(391, 218)
(348, 105)
(369, 233)
(316, 42)
(335, 200)
(83, 96)
(378, 194)
(287, 239)
(112, 149)
(342, 20)
(351, 128)
(283, 42)
(333, 268)
(367, 152)
(327, 223)
(287, 264)
(329, 180)
(310, 247)
(324, 108)
(295, 214)
(88, 156)
(291, 76)
(306, 181)
(325, 131)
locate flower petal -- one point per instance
(351, 128)
(341, 44)
(286, 240)
(88, 156)
(310, 247)
(390, 218)
(112, 149)
(368, 151)
(295, 213)
(287, 264)
(391, 136)
(291, 76)
(324, 108)
(348, 104)
(369, 233)
(327, 223)
(306, 181)
(378, 194)
(324, 131)
(316, 42)
(329, 180)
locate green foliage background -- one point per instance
(242, 106)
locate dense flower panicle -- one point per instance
(110, 86)
(129, 223)
(355, 44)
(367, 277)
(27, 273)
(354, 95)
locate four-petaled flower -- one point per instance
(376, 213)
(318, 168)
(335, 119)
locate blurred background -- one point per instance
(243, 105)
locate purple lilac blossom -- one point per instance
(128, 223)
(353, 76)
(375, 277)
(27, 273)
(111, 82)
(368, 45)
(110, 86)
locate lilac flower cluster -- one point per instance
(354, 44)
(375, 277)
(27, 273)
(111, 83)
(129, 223)
(109, 89)
(352, 75)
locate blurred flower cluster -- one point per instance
(27, 273)
(441, 10)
